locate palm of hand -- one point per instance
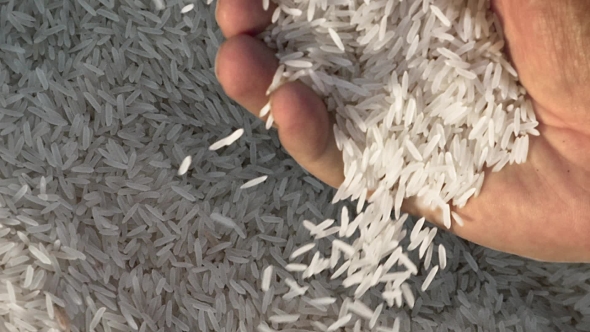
(539, 209)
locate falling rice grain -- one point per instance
(322, 301)
(187, 8)
(227, 140)
(186, 163)
(302, 250)
(295, 267)
(254, 182)
(429, 278)
(442, 256)
(265, 110)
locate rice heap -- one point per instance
(100, 103)
(423, 95)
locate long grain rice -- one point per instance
(99, 99)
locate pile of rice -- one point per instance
(100, 103)
(423, 95)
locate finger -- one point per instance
(245, 68)
(242, 17)
(305, 130)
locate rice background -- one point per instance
(100, 101)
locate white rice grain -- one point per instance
(442, 256)
(295, 267)
(281, 319)
(96, 319)
(229, 140)
(266, 278)
(340, 323)
(43, 258)
(344, 247)
(302, 250)
(336, 38)
(429, 278)
(187, 8)
(457, 219)
(265, 110)
(254, 182)
(184, 166)
(439, 14)
(322, 301)
(11, 292)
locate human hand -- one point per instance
(539, 209)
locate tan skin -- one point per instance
(540, 209)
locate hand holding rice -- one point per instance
(426, 109)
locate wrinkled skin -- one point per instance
(540, 209)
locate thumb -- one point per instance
(305, 131)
